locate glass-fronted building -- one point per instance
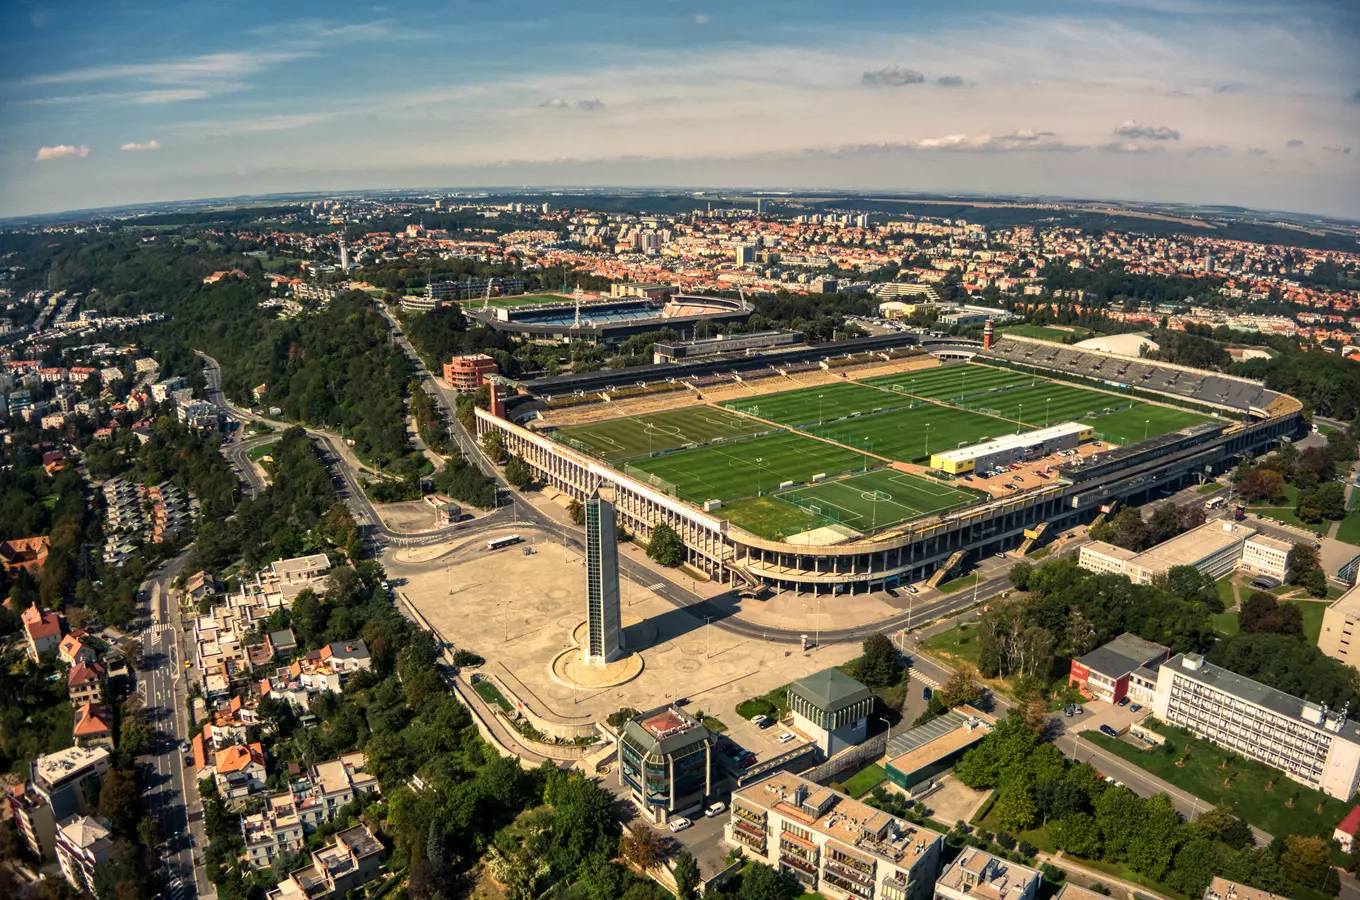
(666, 762)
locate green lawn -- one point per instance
(948, 382)
(774, 704)
(876, 499)
(1208, 487)
(1225, 623)
(1040, 553)
(1046, 403)
(769, 517)
(491, 694)
(1312, 617)
(1129, 426)
(1048, 333)
(1349, 530)
(750, 467)
(812, 406)
(912, 434)
(1242, 785)
(517, 300)
(959, 643)
(864, 781)
(636, 436)
(959, 584)
(714, 724)
(258, 453)
(1283, 511)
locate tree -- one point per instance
(1130, 531)
(686, 876)
(1152, 843)
(1014, 808)
(148, 832)
(1021, 573)
(878, 664)
(760, 882)
(1302, 567)
(1306, 861)
(641, 846)
(1165, 523)
(577, 512)
(518, 473)
(119, 802)
(1262, 613)
(1342, 446)
(1261, 484)
(1331, 500)
(494, 446)
(666, 547)
(132, 652)
(1077, 834)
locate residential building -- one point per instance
(1309, 743)
(832, 844)
(604, 639)
(42, 632)
(82, 844)
(917, 756)
(831, 709)
(60, 785)
(352, 859)
(299, 569)
(25, 553)
(978, 875)
(1339, 628)
(1266, 556)
(93, 726)
(1073, 892)
(239, 771)
(1104, 672)
(1213, 549)
(468, 372)
(1344, 833)
(33, 820)
(310, 801)
(1223, 889)
(85, 683)
(666, 762)
(72, 650)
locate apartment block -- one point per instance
(1340, 624)
(311, 800)
(833, 844)
(60, 785)
(467, 373)
(351, 860)
(1309, 743)
(978, 875)
(1266, 556)
(83, 843)
(1223, 889)
(1214, 549)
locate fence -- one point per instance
(648, 478)
(850, 759)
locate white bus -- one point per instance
(508, 540)
(1215, 503)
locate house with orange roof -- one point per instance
(25, 553)
(93, 726)
(72, 650)
(239, 771)
(85, 683)
(42, 631)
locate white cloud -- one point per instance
(61, 151)
(590, 105)
(152, 144)
(1023, 140)
(1209, 150)
(1127, 147)
(701, 19)
(1131, 129)
(554, 103)
(892, 76)
(191, 70)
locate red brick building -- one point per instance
(467, 373)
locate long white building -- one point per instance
(1214, 548)
(1312, 745)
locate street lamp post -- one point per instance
(1020, 419)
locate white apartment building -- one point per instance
(1310, 744)
(309, 802)
(978, 875)
(82, 844)
(1223, 889)
(1214, 549)
(833, 844)
(1340, 624)
(1266, 556)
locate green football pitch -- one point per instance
(1129, 426)
(634, 436)
(951, 381)
(745, 468)
(877, 499)
(913, 434)
(809, 406)
(516, 300)
(1047, 403)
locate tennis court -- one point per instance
(745, 468)
(809, 406)
(910, 435)
(1129, 426)
(875, 500)
(951, 381)
(635, 436)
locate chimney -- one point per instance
(987, 334)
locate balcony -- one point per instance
(748, 829)
(849, 886)
(831, 866)
(806, 879)
(742, 812)
(799, 863)
(853, 863)
(755, 843)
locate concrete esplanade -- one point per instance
(912, 551)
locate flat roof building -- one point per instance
(978, 875)
(1104, 672)
(1223, 889)
(1214, 549)
(666, 762)
(468, 372)
(832, 844)
(1312, 745)
(1011, 448)
(831, 708)
(916, 756)
(1340, 623)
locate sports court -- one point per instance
(876, 499)
(1047, 403)
(913, 434)
(745, 468)
(948, 382)
(635, 436)
(810, 406)
(1129, 426)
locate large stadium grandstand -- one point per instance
(608, 320)
(817, 477)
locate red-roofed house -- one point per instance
(93, 726)
(42, 630)
(85, 683)
(1345, 832)
(25, 553)
(72, 650)
(239, 771)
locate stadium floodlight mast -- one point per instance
(1047, 400)
(1147, 425)
(819, 409)
(927, 440)
(1020, 419)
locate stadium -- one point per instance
(604, 320)
(825, 475)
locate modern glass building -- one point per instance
(603, 642)
(666, 762)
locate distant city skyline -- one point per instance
(1198, 101)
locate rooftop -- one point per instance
(1124, 654)
(1348, 604)
(55, 768)
(830, 690)
(665, 730)
(1194, 545)
(987, 877)
(1014, 442)
(851, 824)
(1223, 889)
(916, 747)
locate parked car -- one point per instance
(680, 824)
(785, 738)
(911, 589)
(1106, 729)
(1137, 707)
(1078, 709)
(1123, 701)
(748, 761)
(759, 720)
(716, 809)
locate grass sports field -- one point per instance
(1046, 404)
(808, 406)
(517, 300)
(1129, 426)
(876, 499)
(1049, 333)
(634, 436)
(748, 467)
(911, 434)
(951, 381)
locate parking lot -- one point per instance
(1098, 713)
(1032, 474)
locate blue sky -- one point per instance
(1250, 102)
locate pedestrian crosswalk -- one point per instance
(657, 586)
(918, 675)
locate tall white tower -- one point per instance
(344, 256)
(604, 636)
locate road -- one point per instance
(170, 797)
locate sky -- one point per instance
(1245, 102)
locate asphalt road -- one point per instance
(170, 797)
